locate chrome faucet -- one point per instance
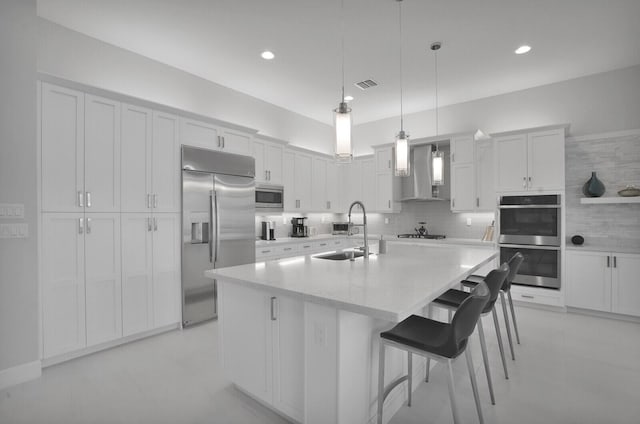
(364, 224)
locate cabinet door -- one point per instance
(246, 339)
(63, 290)
(303, 181)
(463, 193)
(368, 184)
(199, 134)
(258, 150)
(166, 269)
(102, 154)
(333, 202)
(165, 169)
(384, 193)
(588, 280)
(319, 185)
(462, 149)
(236, 142)
(511, 162)
(137, 278)
(273, 160)
(62, 149)
(288, 357)
(353, 183)
(625, 297)
(383, 160)
(485, 186)
(103, 277)
(135, 162)
(546, 160)
(289, 181)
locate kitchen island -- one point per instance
(301, 334)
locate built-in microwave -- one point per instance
(269, 198)
(340, 228)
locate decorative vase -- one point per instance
(593, 187)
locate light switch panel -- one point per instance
(11, 210)
(14, 231)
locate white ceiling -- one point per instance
(221, 41)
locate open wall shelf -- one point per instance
(605, 200)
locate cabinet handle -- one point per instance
(453, 203)
(527, 296)
(155, 200)
(477, 202)
(286, 249)
(88, 225)
(88, 199)
(155, 224)
(297, 203)
(615, 261)
(218, 137)
(269, 175)
(81, 199)
(328, 204)
(524, 182)
(389, 164)
(608, 261)
(529, 184)
(266, 175)
(323, 244)
(273, 308)
(223, 142)
(148, 200)
(80, 226)
(148, 224)
(389, 204)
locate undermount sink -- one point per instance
(341, 256)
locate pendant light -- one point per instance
(342, 121)
(437, 155)
(402, 165)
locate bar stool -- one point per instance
(514, 265)
(438, 340)
(452, 299)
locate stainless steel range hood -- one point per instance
(418, 185)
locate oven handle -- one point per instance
(529, 246)
(529, 207)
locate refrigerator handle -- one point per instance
(210, 227)
(216, 226)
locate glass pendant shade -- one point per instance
(402, 155)
(344, 151)
(438, 167)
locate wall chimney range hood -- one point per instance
(418, 186)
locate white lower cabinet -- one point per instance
(81, 281)
(150, 271)
(263, 345)
(604, 281)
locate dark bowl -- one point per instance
(577, 240)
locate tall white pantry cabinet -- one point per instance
(109, 185)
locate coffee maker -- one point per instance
(268, 230)
(299, 228)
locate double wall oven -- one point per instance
(531, 225)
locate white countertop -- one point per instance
(373, 237)
(391, 286)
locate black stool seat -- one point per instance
(426, 334)
(454, 298)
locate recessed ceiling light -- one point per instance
(348, 98)
(267, 55)
(523, 49)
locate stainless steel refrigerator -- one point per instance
(218, 225)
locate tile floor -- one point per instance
(569, 369)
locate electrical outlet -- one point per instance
(386, 220)
(468, 222)
(11, 210)
(10, 231)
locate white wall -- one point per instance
(18, 257)
(594, 104)
(74, 56)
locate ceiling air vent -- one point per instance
(363, 85)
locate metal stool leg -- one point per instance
(409, 376)
(485, 359)
(426, 373)
(506, 323)
(513, 315)
(497, 325)
(452, 394)
(380, 382)
(474, 384)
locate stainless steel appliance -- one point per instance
(268, 230)
(299, 228)
(218, 212)
(269, 198)
(340, 228)
(531, 225)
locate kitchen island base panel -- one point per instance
(336, 349)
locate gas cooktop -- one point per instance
(422, 236)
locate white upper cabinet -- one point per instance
(101, 154)
(199, 134)
(319, 202)
(530, 161)
(383, 158)
(165, 164)
(135, 176)
(62, 149)
(472, 174)
(387, 186)
(333, 192)
(268, 158)
(297, 168)
(235, 142)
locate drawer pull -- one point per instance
(265, 251)
(287, 249)
(527, 296)
(323, 244)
